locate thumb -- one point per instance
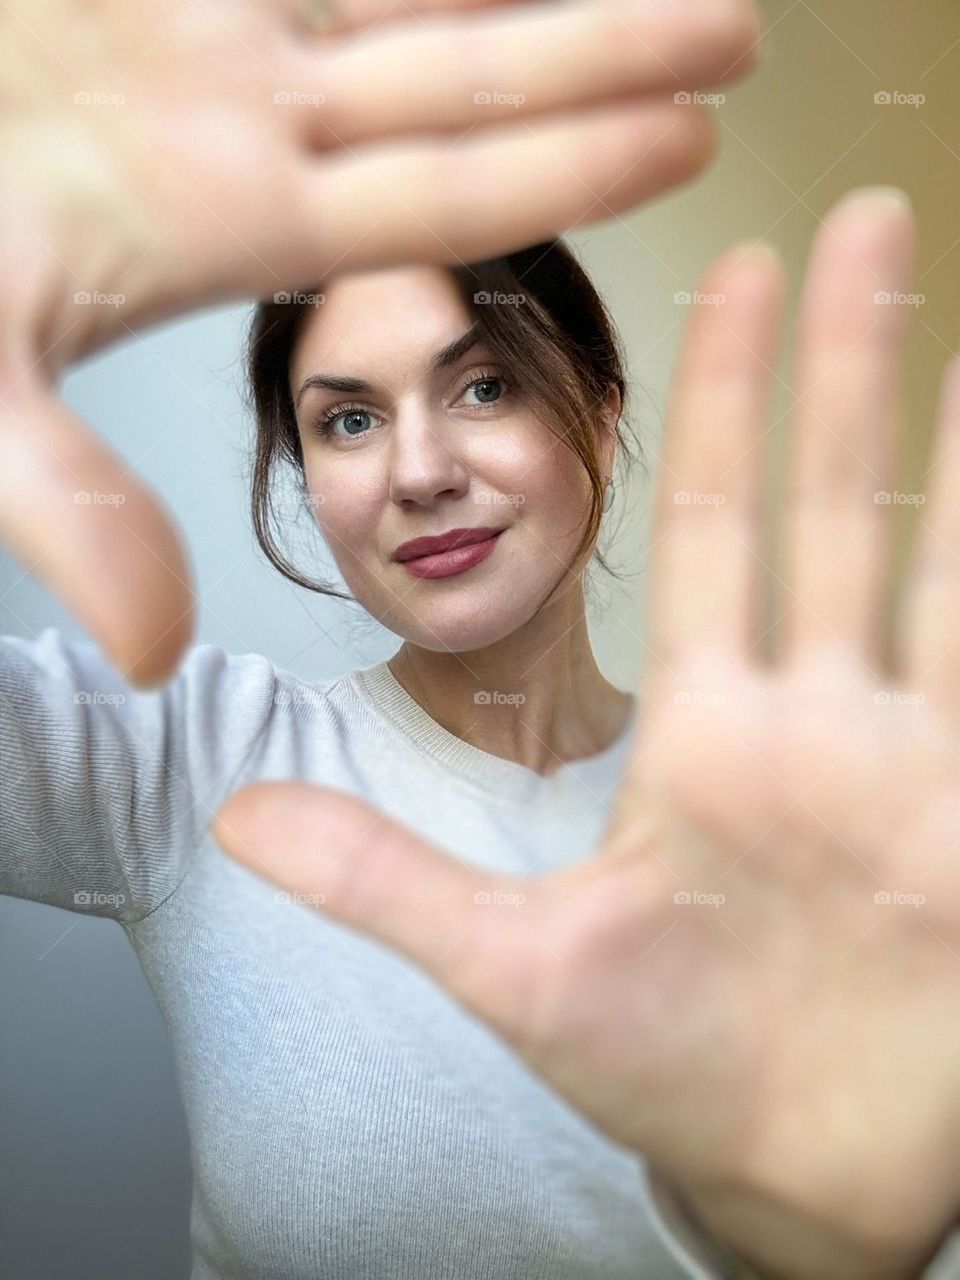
(468, 929)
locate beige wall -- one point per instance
(795, 136)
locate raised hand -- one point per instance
(755, 982)
(172, 155)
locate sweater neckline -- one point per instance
(380, 687)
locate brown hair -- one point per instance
(554, 339)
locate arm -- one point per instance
(106, 792)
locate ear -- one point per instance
(610, 412)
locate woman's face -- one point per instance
(419, 452)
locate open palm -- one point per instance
(752, 982)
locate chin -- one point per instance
(442, 639)
(470, 627)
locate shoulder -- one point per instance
(67, 677)
(57, 655)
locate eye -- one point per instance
(350, 413)
(484, 382)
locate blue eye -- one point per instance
(347, 411)
(485, 382)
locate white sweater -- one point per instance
(347, 1119)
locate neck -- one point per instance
(536, 697)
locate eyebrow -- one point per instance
(443, 359)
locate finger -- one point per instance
(423, 201)
(705, 539)
(371, 873)
(75, 518)
(849, 351)
(930, 610)
(516, 61)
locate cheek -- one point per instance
(558, 489)
(345, 509)
(528, 459)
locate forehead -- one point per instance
(384, 323)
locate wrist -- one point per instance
(777, 1243)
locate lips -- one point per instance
(444, 542)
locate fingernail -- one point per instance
(755, 250)
(762, 248)
(895, 197)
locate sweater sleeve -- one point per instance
(703, 1258)
(106, 792)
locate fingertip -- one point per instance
(871, 220)
(699, 138)
(730, 33)
(750, 255)
(887, 200)
(750, 274)
(750, 36)
(151, 662)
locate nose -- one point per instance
(423, 464)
